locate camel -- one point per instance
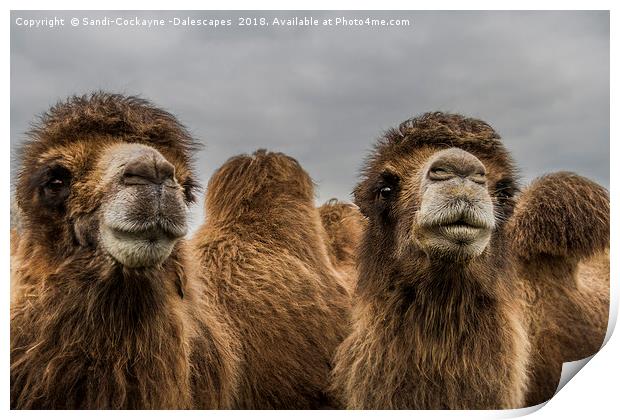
(470, 294)
(560, 238)
(107, 311)
(263, 255)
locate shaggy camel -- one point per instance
(469, 296)
(343, 224)
(107, 312)
(263, 255)
(560, 235)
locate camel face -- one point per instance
(108, 196)
(143, 213)
(438, 201)
(439, 188)
(455, 217)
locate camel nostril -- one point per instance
(440, 173)
(478, 177)
(147, 169)
(165, 170)
(454, 162)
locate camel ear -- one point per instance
(560, 214)
(363, 199)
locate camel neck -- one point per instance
(438, 298)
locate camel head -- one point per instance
(107, 174)
(440, 186)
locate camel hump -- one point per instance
(560, 214)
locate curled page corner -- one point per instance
(519, 412)
(569, 370)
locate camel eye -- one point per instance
(55, 185)
(387, 186)
(386, 192)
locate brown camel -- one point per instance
(106, 311)
(470, 296)
(263, 255)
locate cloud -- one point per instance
(323, 94)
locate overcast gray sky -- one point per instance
(324, 94)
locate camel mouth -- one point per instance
(141, 244)
(137, 250)
(152, 230)
(465, 223)
(456, 229)
(139, 227)
(468, 221)
(460, 231)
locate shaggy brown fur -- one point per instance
(560, 235)
(561, 215)
(86, 330)
(263, 255)
(343, 224)
(444, 331)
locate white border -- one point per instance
(592, 393)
